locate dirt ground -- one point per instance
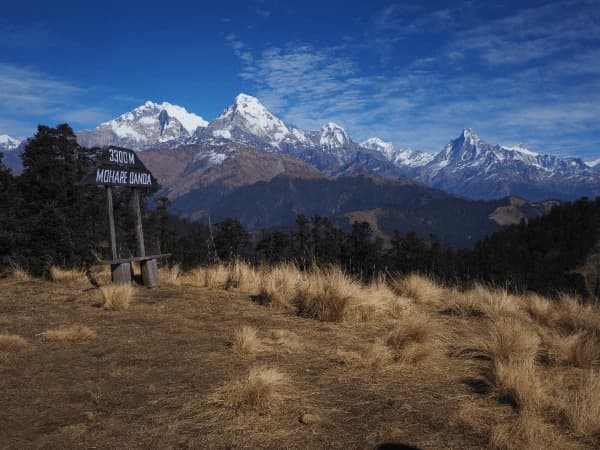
(145, 379)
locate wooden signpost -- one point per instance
(121, 167)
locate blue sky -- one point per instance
(415, 72)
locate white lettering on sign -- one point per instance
(120, 156)
(140, 178)
(123, 177)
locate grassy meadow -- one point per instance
(235, 356)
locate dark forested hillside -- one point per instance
(48, 218)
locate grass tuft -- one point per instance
(260, 391)
(171, 275)
(278, 287)
(420, 288)
(245, 340)
(70, 334)
(412, 338)
(60, 275)
(516, 381)
(505, 338)
(243, 276)
(17, 273)
(12, 343)
(584, 412)
(117, 297)
(527, 431)
(326, 294)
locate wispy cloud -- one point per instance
(264, 13)
(545, 92)
(239, 48)
(532, 34)
(28, 96)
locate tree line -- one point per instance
(48, 218)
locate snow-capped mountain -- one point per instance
(470, 166)
(400, 157)
(149, 125)
(332, 137)
(595, 163)
(467, 166)
(247, 121)
(11, 149)
(8, 143)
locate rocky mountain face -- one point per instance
(467, 166)
(404, 158)
(8, 143)
(147, 126)
(473, 168)
(11, 148)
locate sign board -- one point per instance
(120, 167)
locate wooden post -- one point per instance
(111, 223)
(139, 231)
(149, 267)
(121, 273)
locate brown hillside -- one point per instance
(229, 357)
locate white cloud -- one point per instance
(29, 97)
(265, 14)
(544, 99)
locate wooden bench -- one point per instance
(121, 269)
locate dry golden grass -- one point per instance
(528, 431)
(245, 340)
(505, 338)
(581, 349)
(571, 314)
(517, 382)
(326, 294)
(278, 286)
(17, 273)
(287, 339)
(60, 275)
(70, 334)
(584, 412)
(12, 343)
(375, 358)
(171, 275)
(539, 308)
(493, 302)
(213, 277)
(527, 382)
(243, 276)
(420, 288)
(260, 391)
(117, 297)
(413, 338)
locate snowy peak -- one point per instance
(151, 113)
(151, 124)
(521, 149)
(8, 143)
(594, 163)
(374, 143)
(333, 136)
(400, 157)
(465, 148)
(247, 117)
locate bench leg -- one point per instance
(149, 272)
(121, 273)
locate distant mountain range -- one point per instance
(467, 166)
(249, 163)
